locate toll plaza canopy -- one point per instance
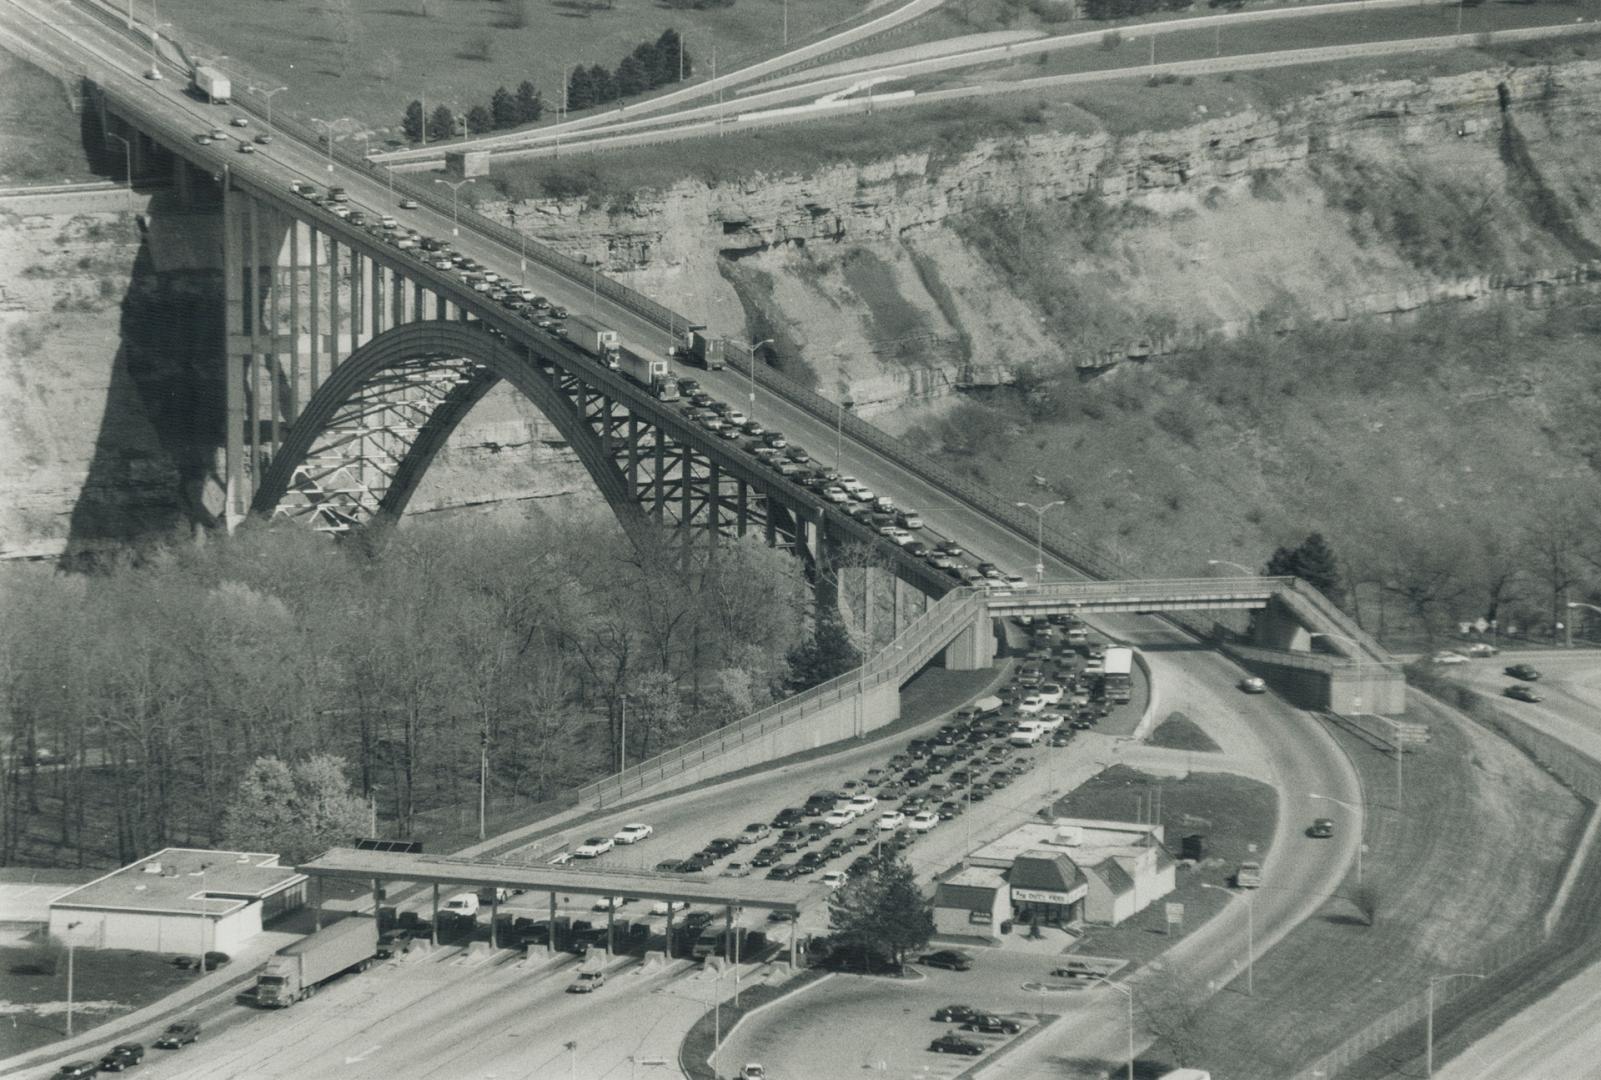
(589, 880)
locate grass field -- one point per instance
(1179, 732)
(1473, 855)
(106, 984)
(1241, 816)
(41, 141)
(366, 59)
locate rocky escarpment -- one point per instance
(1372, 198)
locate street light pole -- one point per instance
(483, 780)
(622, 754)
(1039, 540)
(1361, 827)
(454, 186)
(71, 926)
(1250, 934)
(328, 126)
(1568, 623)
(1129, 994)
(268, 94)
(839, 431)
(752, 365)
(1428, 1035)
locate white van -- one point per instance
(464, 904)
(1026, 734)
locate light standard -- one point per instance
(329, 136)
(522, 242)
(1229, 562)
(1129, 994)
(1360, 831)
(839, 432)
(1428, 1035)
(155, 38)
(1356, 662)
(1250, 933)
(1039, 541)
(268, 94)
(1568, 625)
(201, 968)
(753, 347)
(71, 926)
(483, 779)
(454, 187)
(127, 148)
(622, 753)
(366, 144)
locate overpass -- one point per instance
(349, 361)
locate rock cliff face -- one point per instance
(892, 277)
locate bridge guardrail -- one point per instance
(1178, 588)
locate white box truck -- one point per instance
(597, 340)
(296, 971)
(212, 83)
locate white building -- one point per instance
(179, 900)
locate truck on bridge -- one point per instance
(599, 341)
(296, 971)
(701, 349)
(212, 83)
(651, 372)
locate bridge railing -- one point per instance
(1154, 588)
(910, 650)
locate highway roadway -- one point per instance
(1295, 748)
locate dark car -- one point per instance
(949, 959)
(1526, 672)
(214, 960)
(179, 1034)
(948, 810)
(670, 866)
(956, 1044)
(955, 1014)
(77, 1070)
(1321, 829)
(819, 829)
(391, 942)
(121, 1056)
(767, 856)
(916, 549)
(698, 861)
(721, 846)
(1523, 693)
(995, 1025)
(812, 861)
(787, 872)
(787, 817)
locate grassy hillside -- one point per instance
(39, 139)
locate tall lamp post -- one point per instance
(1039, 538)
(522, 242)
(1361, 820)
(1129, 994)
(268, 94)
(1568, 624)
(839, 431)
(127, 148)
(622, 753)
(1428, 1031)
(328, 134)
(483, 780)
(753, 347)
(71, 926)
(1250, 933)
(454, 186)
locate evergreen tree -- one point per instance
(411, 125)
(632, 79)
(650, 60)
(1313, 562)
(602, 86)
(827, 653)
(668, 47)
(530, 105)
(883, 913)
(442, 124)
(479, 120)
(503, 109)
(580, 91)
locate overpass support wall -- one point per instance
(974, 647)
(1277, 627)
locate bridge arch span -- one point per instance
(357, 452)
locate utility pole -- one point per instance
(71, 926)
(483, 780)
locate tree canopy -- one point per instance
(1313, 562)
(882, 913)
(297, 811)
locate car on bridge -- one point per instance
(633, 833)
(594, 847)
(1519, 692)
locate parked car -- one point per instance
(956, 1044)
(1523, 693)
(1322, 829)
(955, 1014)
(995, 1025)
(178, 1034)
(1526, 672)
(121, 1056)
(950, 959)
(633, 833)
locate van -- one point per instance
(463, 904)
(491, 894)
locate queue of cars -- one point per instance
(126, 1055)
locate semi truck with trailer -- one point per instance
(651, 372)
(212, 83)
(702, 349)
(296, 971)
(597, 340)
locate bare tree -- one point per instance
(1555, 542)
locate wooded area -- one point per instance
(167, 678)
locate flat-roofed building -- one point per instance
(179, 900)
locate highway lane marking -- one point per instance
(351, 1059)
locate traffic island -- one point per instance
(715, 1027)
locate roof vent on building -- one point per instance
(152, 868)
(1070, 835)
(243, 858)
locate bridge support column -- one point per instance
(667, 945)
(433, 921)
(316, 907)
(236, 357)
(550, 938)
(494, 919)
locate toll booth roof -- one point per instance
(587, 880)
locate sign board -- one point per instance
(1175, 913)
(1046, 896)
